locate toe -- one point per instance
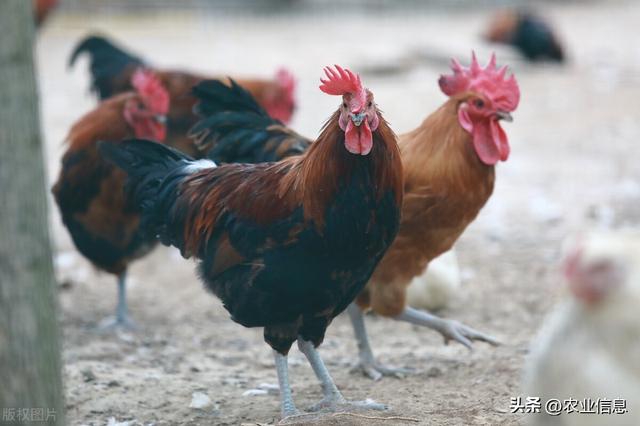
(476, 335)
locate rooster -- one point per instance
(590, 344)
(286, 245)
(111, 69)
(103, 224)
(448, 173)
(527, 32)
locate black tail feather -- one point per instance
(238, 130)
(108, 62)
(154, 174)
(214, 96)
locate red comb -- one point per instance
(342, 81)
(151, 90)
(490, 81)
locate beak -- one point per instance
(162, 119)
(358, 118)
(504, 115)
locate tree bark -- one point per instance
(30, 378)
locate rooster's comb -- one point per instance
(490, 81)
(341, 81)
(151, 90)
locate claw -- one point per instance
(112, 324)
(376, 371)
(465, 335)
(450, 329)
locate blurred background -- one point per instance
(573, 165)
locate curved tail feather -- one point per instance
(110, 66)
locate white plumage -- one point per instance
(437, 285)
(589, 347)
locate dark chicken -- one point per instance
(287, 246)
(111, 69)
(527, 32)
(448, 164)
(103, 223)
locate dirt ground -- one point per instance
(573, 165)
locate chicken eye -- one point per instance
(369, 104)
(479, 103)
(344, 105)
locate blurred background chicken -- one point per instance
(589, 346)
(529, 33)
(103, 223)
(438, 284)
(111, 68)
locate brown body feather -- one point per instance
(446, 185)
(276, 189)
(102, 222)
(181, 118)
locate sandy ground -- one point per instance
(573, 165)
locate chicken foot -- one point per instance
(122, 319)
(450, 329)
(332, 398)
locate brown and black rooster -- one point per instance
(286, 245)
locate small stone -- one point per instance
(113, 383)
(434, 372)
(199, 400)
(87, 375)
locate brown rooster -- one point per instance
(449, 176)
(103, 223)
(448, 171)
(111, 69)
(286, 245)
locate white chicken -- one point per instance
(590, 345)
(437, 285)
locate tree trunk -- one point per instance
(30, 379)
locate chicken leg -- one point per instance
(450, 330)
(287, 406)
(367, 363)
(122, 319)
(332, 398)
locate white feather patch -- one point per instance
(196, 166)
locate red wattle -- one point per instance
(490, 142)
(358, 139)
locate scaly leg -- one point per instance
(367, 363)
(332, 398)
(450, 329)
(122, 319)
(287, 407)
